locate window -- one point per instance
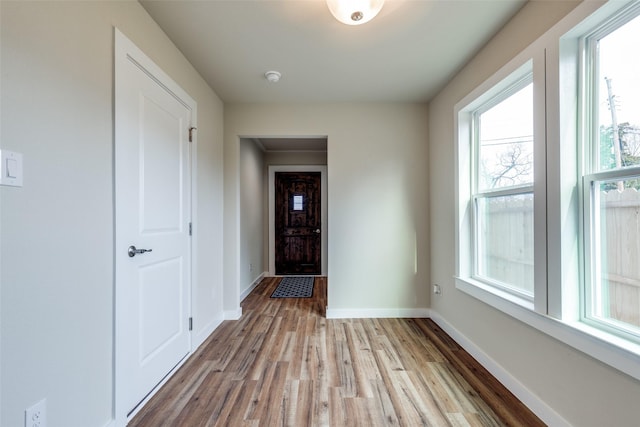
(548, 185)
(503, 189)
(611, 176)
(496, 188)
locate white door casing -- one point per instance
(153, 117)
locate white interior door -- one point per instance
(152, 187)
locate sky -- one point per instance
(620, 61)
(507, 124)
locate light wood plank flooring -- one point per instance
(284, 364)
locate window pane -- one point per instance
(506, 142)
(297, 203)
(505, 240)
(618, 67)
(615, 295)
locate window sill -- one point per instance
(614, 351)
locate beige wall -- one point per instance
(579, 389)
(294, 158)
(252, 213)
(377, 173)
(57, 231)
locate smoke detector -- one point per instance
(273, 76)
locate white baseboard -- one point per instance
(531, 400)
(369, 313)
(203, 334)
(233, 314)
(253, 285)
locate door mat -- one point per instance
(294, 287)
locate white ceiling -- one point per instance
(406, 54)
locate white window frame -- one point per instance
(591, 175)
(501, 92)
(559, 262)
(505, 83)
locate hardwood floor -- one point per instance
(284, 364)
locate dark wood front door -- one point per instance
(297, 223)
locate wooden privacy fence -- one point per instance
(508, 240)
(620, 213)
(508, 243)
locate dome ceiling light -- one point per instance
(354, 12)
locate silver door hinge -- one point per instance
(190, 229)
(190, 323)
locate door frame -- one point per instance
(323, 212)
(125, 51)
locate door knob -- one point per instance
(317, 231)
(132, 251)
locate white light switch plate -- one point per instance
(10, 168)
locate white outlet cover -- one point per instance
(10, 168)
(36, 415)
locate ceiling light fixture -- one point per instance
(354, 12)
(273, 76)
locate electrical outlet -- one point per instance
(36, 415)
(437, 290)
